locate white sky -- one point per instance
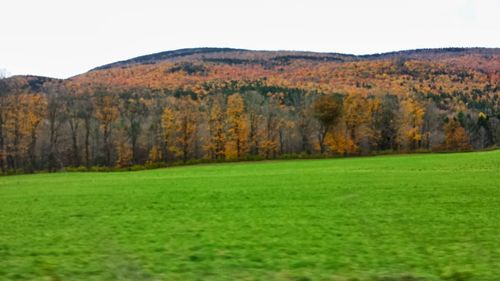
(62, 38)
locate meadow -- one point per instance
(407, 217)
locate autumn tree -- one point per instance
(186, 125)
(124, 153)
(237, 132)
(74, 109)
(357, 114)
(369, 130)
(456, 138)
(484, 131)
(56, 118)
(254, 109)
(300, 109)
(168, 126)
(34, 107)
(217, 128)
(327, 110)
(107, 113)
(157, 143)
(13, 131)
(185, 122)
(411, 114)
(284, 123)
(87, 114)
(272, 123)
(134, 110)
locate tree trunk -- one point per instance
(321, 138)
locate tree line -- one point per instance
(96, 126)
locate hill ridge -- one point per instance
(209, 52)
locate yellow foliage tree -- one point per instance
(125, 155)
(107, 113)
(154, 155)
(168, 126)
(185, 125)
(217, 143)
(340, 143)
(410, 124)
(34, 111)
(237, 132)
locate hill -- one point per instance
(414, 217)
(222, 104)
(231, 55)
(24, 83)
(426, 71)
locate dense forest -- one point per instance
(211, 104)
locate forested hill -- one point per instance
(231, 55)
(423, 71)
(216, 104)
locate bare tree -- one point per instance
(56, 118)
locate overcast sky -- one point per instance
(62, 38)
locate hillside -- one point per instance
(232, 56)
(219, 104)
(449, 71)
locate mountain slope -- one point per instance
(231, 55)
(202, 70)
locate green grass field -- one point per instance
(417, 217)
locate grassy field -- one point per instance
(418, 217)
